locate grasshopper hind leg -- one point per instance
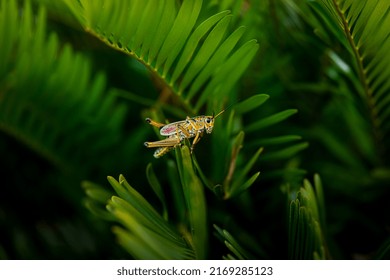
(154, 123)
(165, 145)
(162, 151)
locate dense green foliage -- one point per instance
(297, 167)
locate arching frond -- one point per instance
(146, 235)
(232, 244)
(186, 54)
(49, 99)
(306, 222)
(362, 28)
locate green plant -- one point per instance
(77, 78)
(307, 223)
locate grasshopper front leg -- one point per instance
(183, 130)
(197, 138)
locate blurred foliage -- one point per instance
(305, 85)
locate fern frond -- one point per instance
(147, 235)
(384, 251)
(306, 222)
(362, 28)
(48, 93)
(193, 193)
(231, 243)
(156, 186)
(169, 40)
(144, 232)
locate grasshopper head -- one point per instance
(209, 123)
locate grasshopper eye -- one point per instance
(208, 120)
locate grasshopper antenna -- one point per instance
(228, 107)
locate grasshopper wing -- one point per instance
(170, 128)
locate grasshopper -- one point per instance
(176, 132)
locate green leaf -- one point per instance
(207, 49)
(168, 15)
(215, 61)
(156, 186)
(193, 42)
(246, 184)
(320, 200)
(202, 176)
(96, 192)
(237, 185)
(38, 107)
(140, 207)
(177, 192)
(337, 147)
(231, 243)
(275, 140)
(251, 103)
(146, 233)
(361, 28)
(384, 251)
(135, 246)
(229, 72)
(285, 153)
(306, 235)
(154, 246)
(237, 146)
(183, 52)
(271, 120)
(196, 204)
(98, 211)
(177, 35)
(293, 228)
